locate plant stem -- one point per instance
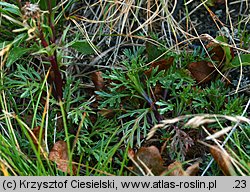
(51, 24)
(56, 77)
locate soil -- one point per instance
(205, 22)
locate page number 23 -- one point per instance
(239, 184)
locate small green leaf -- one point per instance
(11, 8)
(245, 59)
(9, 5)
(43, 4)
(210, 3)
(165, 107)
(221, 39)
(15, 54)
(83, 47)
(153, 51)
(228, 54)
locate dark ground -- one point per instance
(205, 23)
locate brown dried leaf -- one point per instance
(193, 169)
(176, 169)
(131, 154)
(217, 53)
(163, 64)
(98, 80)
(35, 138)
(148, 159)
(59, 154)
(201, 71)
(223, 161)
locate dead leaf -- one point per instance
(148, 159)
(163, 64)
(216, 52)
(98, 80)
(131, 154)
(201, 71)
(223, 161)
(35, 138)
(193, 169)
(176, 169)
(59, 154)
